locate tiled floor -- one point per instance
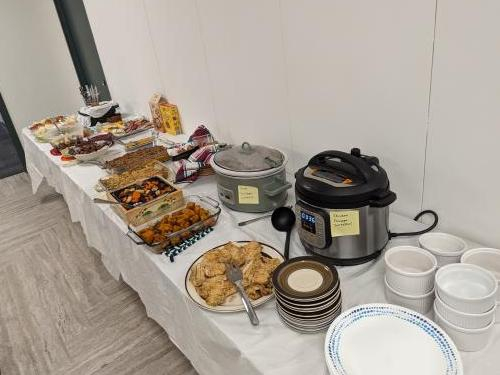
(61, 313)
(9, 161)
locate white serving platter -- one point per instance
(233, 303)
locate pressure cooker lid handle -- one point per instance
(354, 159)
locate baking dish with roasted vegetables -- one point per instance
(146, 199)
(198, 213)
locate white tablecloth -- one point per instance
(216, 343)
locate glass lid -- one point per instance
(249, 158)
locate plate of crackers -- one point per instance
(207, 283)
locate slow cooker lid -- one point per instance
(335, 179)
(249, 158)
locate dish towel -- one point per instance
(176, 250)
(187, 170)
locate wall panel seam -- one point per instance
(207, 68)
(154, 47)
(287, 86)
(429, 105)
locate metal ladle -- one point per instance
(246, 222)
(283, 220)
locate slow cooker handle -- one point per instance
(358, 163)
(272, 193)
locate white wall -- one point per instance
(310, 75)
(462, 176)
(122, 36)
(37, 77)
(300, 75)
(358, 75)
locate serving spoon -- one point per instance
(283, 220)
(105, 201)
(243, 223)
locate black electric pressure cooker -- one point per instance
(342, 206)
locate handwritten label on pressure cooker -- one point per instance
(344, 223)
(248, 194)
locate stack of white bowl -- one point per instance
(465, 304)
(445, 247)
(489, 259)
(409, 277)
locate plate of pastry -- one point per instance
(208, 286)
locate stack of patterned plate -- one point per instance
(307, 293)
(390, 340)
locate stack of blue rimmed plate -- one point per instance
(307, 293)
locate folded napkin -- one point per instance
(187, 170)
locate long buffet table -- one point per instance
(216, 343)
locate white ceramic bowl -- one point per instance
(464, 320)
(488, 259)
(445, 247)
(421, 304)
(466, 287)
(410, 270)
(93, 155)
(467, 340)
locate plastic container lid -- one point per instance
(248, 159)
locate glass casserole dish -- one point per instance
(171, 229)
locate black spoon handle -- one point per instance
(286, 255)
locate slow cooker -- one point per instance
(251, 178)
(342, 206)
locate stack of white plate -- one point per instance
(465, 304)
(409, 277)
(307, 293)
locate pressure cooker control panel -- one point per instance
(313, 225)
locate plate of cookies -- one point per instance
(207, 283)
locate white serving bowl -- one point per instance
(445, 247)
(421, 304)
(467, 340)
(93, 155)
(464, 320)
(410, 270)
(487, 258)
(466, 287)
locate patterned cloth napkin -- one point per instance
(187, 170)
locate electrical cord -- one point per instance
(418, 216)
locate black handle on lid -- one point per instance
(384, 201)
(360, 164)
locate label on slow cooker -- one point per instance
(248, 194)
(344, 223)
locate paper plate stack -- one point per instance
(307, 293)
